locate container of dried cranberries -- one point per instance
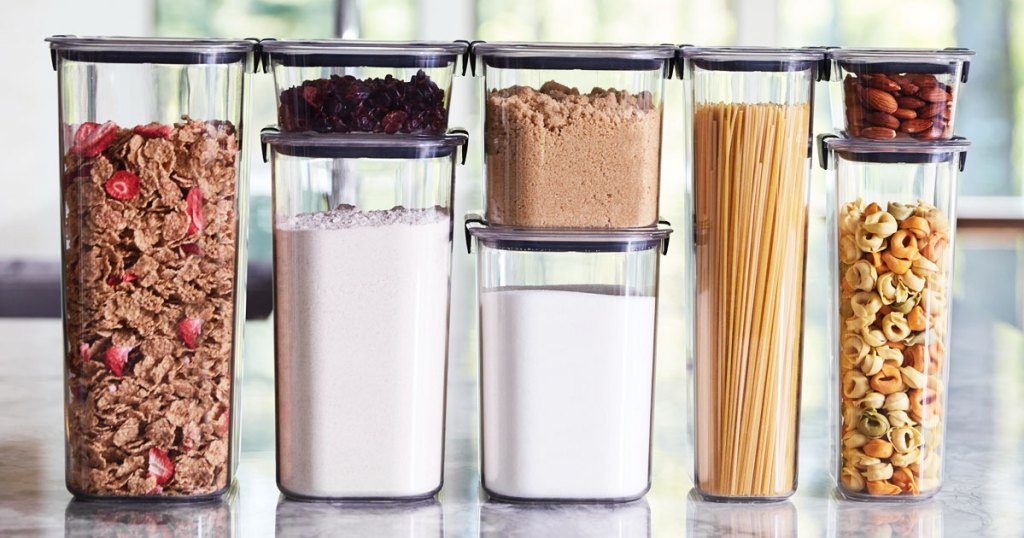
(153, 247)
(885, 94)
(339, 86)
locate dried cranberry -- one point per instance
(393, 121)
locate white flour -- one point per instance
(361, 326)
(566, 388)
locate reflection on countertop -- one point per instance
(568, 520)
(423, 519)
(120, 519)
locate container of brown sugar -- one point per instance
(572, 133)
(153, 219)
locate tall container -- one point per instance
(567, 335)
(572, 133)
(362, 251)
(153, 200)
(351, 86)
(892, 209)
(751, 121)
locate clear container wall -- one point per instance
(876, 101)
(153, 220)
(573, 148)
(751, 148)
(343, 99)
(362, 250)
(892, 229)
(567, 364)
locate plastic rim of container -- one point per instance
(363, 145)
(566, 56)
(763, 59)
(892, 151)
(566, 239)
(922, 61)
(150, 50)
(350, 53)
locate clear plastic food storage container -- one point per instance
(567, 334)
(572, 133)
(751, 122)
(153, 199)
(882, 94)
(892, 217)
(362, 250)
(339, 86)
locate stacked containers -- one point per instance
(363, 180)
(568, 264)
(751, 121)
(892, 206)
(154, 215)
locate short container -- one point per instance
(153, 219)
(572, 133)
(362, 251)
(751, 122)
(567, 335)
(892, 218)
(885, 94)
(343, 86)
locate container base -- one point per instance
(709, 497)
(511, 499)
(376, 500)
(892, 499)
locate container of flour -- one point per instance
(567, 338)
(572, 133)
(362, 249)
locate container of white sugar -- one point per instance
(362, 251)
(567, 339)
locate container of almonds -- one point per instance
(886, 94)
(891, 219)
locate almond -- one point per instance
(883, 83)
(909, 88)
(878, 133)
(931, 110)
(930, 134)
(879, 100)
(923, 80)
(905, 114)
(912, 103)
(881, 119)
(915, 126)
(947, 113)
(933, 94)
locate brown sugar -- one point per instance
(558, 158)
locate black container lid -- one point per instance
(566, 239)
(364, 145)
(585, 56)
(354, 53)
(150, 50)
(892, 151)
(759, 59)
(889, 61)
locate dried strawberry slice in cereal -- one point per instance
(160, 466)
(192, 249)
(83, 351)
(189, 330)
(225, 422)
(92, 138)
(153, 130)
(127, 276)
(194, 201)
(116, 357)
(123, 185)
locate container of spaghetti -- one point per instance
(750, 116)
(891, 213)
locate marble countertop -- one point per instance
(984, 481)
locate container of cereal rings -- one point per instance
(892, 210)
